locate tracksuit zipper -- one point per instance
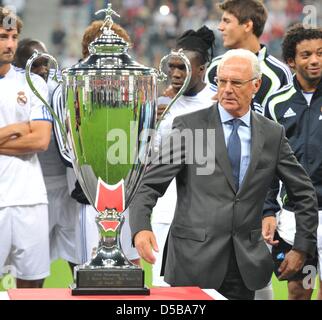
(307, 138)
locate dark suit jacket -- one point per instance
(210, 217)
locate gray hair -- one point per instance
(246, 54)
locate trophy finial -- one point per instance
(108, 21)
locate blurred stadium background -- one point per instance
(152, 25)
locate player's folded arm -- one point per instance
(37, 140)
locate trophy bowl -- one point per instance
(107, 124)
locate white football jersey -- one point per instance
(21, 180)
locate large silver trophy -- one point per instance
(110, 107)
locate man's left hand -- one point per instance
(293, 262)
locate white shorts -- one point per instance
(162, 217)
(160, 231)
(63, 216)
(286, 227)
(24, 241)
(87, 235)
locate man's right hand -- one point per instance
(168, 92)
(293, 262)
(160, 110)
(144, 242)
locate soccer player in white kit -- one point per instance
(198, 95)
(23, 198)
(62, 208)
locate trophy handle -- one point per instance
(162, 76)
(29, 63)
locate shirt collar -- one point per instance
(226, 116)
(299, 88)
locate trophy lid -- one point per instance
(109, 50)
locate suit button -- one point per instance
(237, 200)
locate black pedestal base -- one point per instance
(109, 291)
(109, 281)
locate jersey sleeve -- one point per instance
(59, 108)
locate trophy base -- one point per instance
(109, 281)
(109, 291)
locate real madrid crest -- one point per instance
(21, 98)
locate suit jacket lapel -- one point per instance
(256, 148)
(221, 149)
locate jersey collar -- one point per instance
(9, 73)
(262, 53)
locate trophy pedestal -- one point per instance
(109, 281)
(109, 272)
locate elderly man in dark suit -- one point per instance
(217, 236)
